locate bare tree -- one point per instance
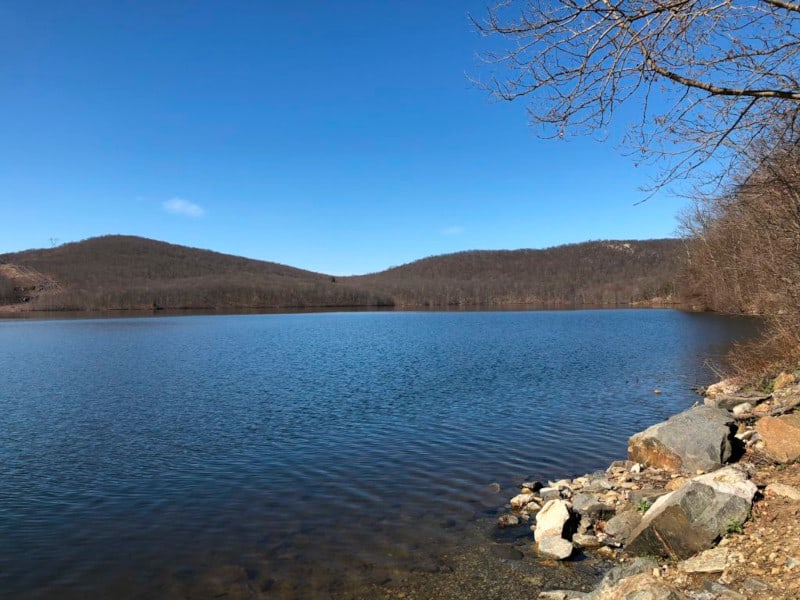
(712, 79)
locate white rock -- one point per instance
(726, 386)
(743, 408)
(555, 547)
(550, 521)
(521, 500)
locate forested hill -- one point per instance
(127, 273)
(590, 273)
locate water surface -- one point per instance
(308, 455)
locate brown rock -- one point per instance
(781, 437)
(783, 380)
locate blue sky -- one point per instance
(341, 137)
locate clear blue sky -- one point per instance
(342, 137)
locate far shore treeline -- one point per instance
(118, 272)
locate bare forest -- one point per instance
(130, 273)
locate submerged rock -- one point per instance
(690, 519)
(697, 439)
(507, 521)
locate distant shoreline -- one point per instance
(30, 312)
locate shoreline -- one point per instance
(622, 514)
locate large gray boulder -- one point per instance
(700, 438)
(693, 517)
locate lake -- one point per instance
(315, 455)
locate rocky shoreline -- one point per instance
(687, 514)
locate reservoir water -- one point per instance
(311, 455)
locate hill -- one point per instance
(128, 273)
(591, 273)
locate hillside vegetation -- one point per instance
(130, 273)
(591, 273)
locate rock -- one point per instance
(561, 595)
(648, 495)
(722, 592)
(555, 547)
(783, 380)
(552, 529)
(634, 581)
(552, 520)
(715, 560)
(677, 483)
(625, 570)
(507, 521)
(741, 409)
(726, 386)
(781, 437)
(549, 493)
(600, 484)
(755, 585)
(729, 402)
(787, 491)
(582, 500)
(585, 540)
(521, 500)
(640, 587)
(699, 438)
(690, 519)
(533, 486)
(621, 526)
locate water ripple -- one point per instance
(139, 456)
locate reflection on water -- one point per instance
(311, 455)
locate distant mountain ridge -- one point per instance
(118, 272)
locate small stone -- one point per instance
(583, 540)
(553, 595)
(755, 585)
(549, 493)
(715, 560)
(726, 386)
(507, 521)
(787, 491)
(723, 592)
(741, 409)
(636, 468)
(521, 500)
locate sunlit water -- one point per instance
(139, 455)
